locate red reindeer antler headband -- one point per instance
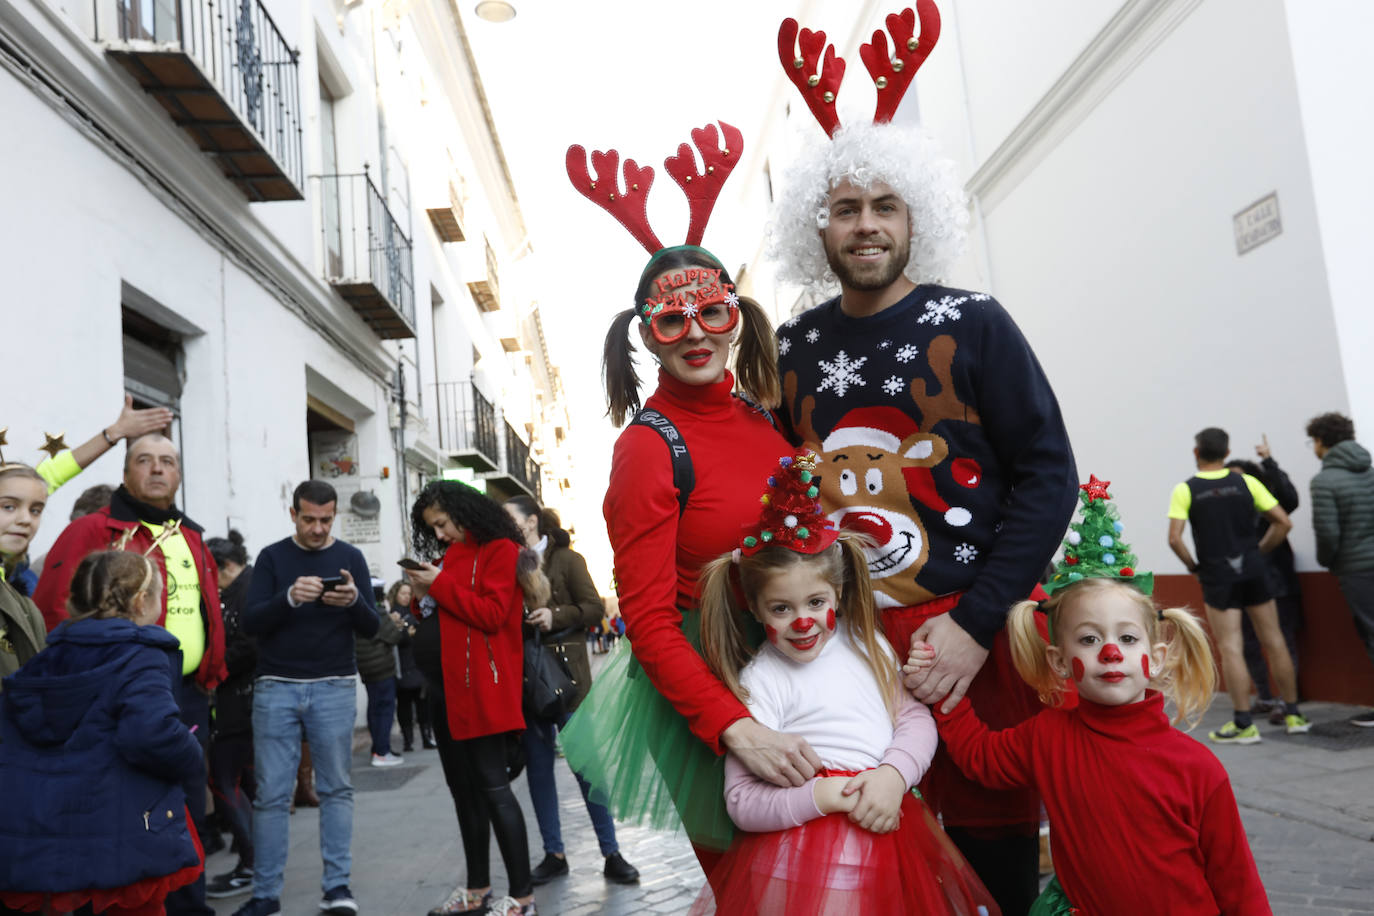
(628, 205)
(818, 79)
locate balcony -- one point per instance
(503, 326)
(519, 472)
(467, 426)
(448, 220)
(480, 269)
(224, 74)
(367, 257)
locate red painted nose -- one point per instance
(1109, 654)
(803, 624)
(875, 526)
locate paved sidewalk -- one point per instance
(1308, 809)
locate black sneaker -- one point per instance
(1363, 720)
(620, 871)
(338, 901)
(259, 906)
(230, 884)
(552, 867)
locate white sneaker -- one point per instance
(387, 760)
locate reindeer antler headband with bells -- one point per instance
(818, 78)
(791, 516)
(674, 303)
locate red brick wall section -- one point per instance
(1332, 665)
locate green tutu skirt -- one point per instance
(640, 758)
(1052, 902)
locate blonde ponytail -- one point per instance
(1028, 651)
(1189, 677)
(723, 644)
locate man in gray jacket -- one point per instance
(1343, 517)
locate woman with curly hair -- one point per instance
(468, 645)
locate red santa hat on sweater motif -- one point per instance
(887, 428)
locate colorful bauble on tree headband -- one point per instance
(1093, 548)
(791, 516)
(818, 79)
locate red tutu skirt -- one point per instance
(829, 866)
(142, 898)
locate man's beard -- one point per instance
(870, 277)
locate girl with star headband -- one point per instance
(1120, 784)
(853, 838)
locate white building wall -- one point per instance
(139, 205)
(1336, 98)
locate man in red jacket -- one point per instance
(142, 517)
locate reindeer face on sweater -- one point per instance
(875, 473)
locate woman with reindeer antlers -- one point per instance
(650, 735)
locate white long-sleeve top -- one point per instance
(834, 702)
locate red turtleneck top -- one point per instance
(658, 555)
(1142, 817)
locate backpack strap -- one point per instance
(684, 478)
(756, 407)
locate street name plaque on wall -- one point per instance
(1258, 223)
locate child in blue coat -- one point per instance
(93, 752)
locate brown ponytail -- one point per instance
(756, 364)
(618, 369)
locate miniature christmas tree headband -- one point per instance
(1093, 548)
(818, 79)
(791, 516)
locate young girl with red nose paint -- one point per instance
(1142, 817)
(853, 838)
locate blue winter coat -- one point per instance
(92, 755)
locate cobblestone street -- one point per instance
(1307, 803)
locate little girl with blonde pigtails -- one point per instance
(1142, 817)
(853, 838)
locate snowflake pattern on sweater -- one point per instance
(912, 411)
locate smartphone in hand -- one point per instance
(408, 563)
(330, 583)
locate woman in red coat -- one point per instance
(468, 646)
(650, 735)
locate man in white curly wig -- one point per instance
(939, 434)
(941, 439)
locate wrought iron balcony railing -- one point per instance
(367, 257)
(226, 76)
(467, 425)
(519, 465)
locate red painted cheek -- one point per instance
(830, 618)
(771, 633)
(1078, 670)
(803, 624)
(1110, 653)
(1145, 665)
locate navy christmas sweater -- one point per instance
(941, 439)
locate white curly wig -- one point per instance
(906, 160)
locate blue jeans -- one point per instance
(381, 713)
(323, 712)
(539, 755)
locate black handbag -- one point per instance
(549, 685)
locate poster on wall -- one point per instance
(334, 459)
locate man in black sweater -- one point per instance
(304, 607)
(940, 438)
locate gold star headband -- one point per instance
(54, 446)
